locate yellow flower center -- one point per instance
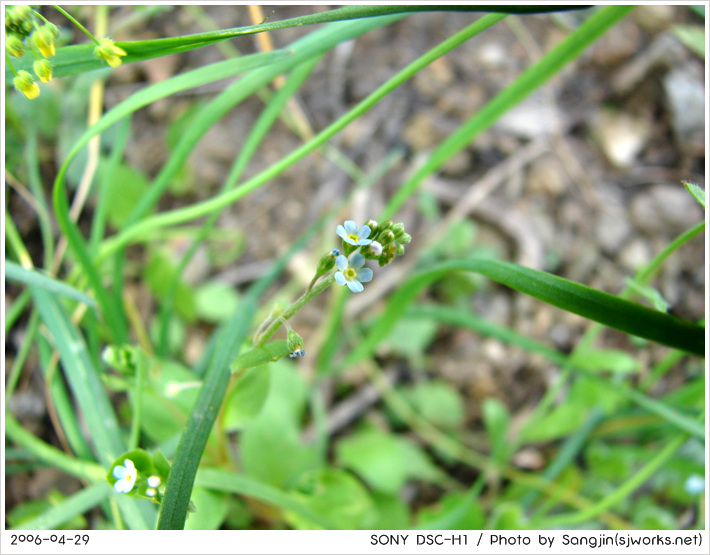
(349, 273)
(353, 237)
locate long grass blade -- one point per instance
(15, 272)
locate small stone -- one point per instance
(635, 254)
(685, 99)
(621, 136)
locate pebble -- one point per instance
(685, 99)
(621, 136)
(664, 208)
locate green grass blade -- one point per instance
(530, 80)
(83, 378)
(80, 58)
(223, 480)
(49, 454)
(194, 438)
(573, 297)
(77, 504)
(217, 203)
(15, 272)
(623, 491)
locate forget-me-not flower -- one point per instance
(352, 273)
(352, 235)
(126, 475)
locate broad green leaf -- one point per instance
(437, 402)
(210, 510)
(247, 398)
(458, 510)
(508, 516)
(496, 419)
(336, 495)
(605, 360)
(271, 447)
(219, 479)
(392, 512)
(157, 274)
(124, 187)
(216, 301)
(385, 461)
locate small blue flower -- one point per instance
(126, 475)
(352, 273)
(352, 235)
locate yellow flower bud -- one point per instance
(14, 46)
(44, 41)
(108, 51)
(43, 70)
(25, 83)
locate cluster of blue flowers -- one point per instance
(373, 241)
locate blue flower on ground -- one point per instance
(352, 273)
(126, 475)
(352, 235)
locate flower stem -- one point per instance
(75, 22)
(9, 64)
(302, 301)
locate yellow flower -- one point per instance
(108, 51)
(25, 83)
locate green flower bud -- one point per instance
(14, 46)
(25, 83)
(52, 29)
(294, 342)
(326, 262)
(405, 239)
(43, 70)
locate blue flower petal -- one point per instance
(364, 275)
(340, 278)
(357, 261)
(364, 232)
(350, 226)
(341, 262)
(340, 230)
(355, 286)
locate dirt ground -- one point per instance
(582, 179)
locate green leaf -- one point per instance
(124, 187)
(336, 495)
(604, 360)
(497, 420)
(692, 36)
(15, 272)
(385, 461)
(459, 511)
(219, 479)
(247, 398)
(271, 447)
(211, 510)
(157, 274)
(258, 356)
(437, 402)
(649, 293)
(697, 192)
(59, 512)
(573, 297)
(216, 301)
